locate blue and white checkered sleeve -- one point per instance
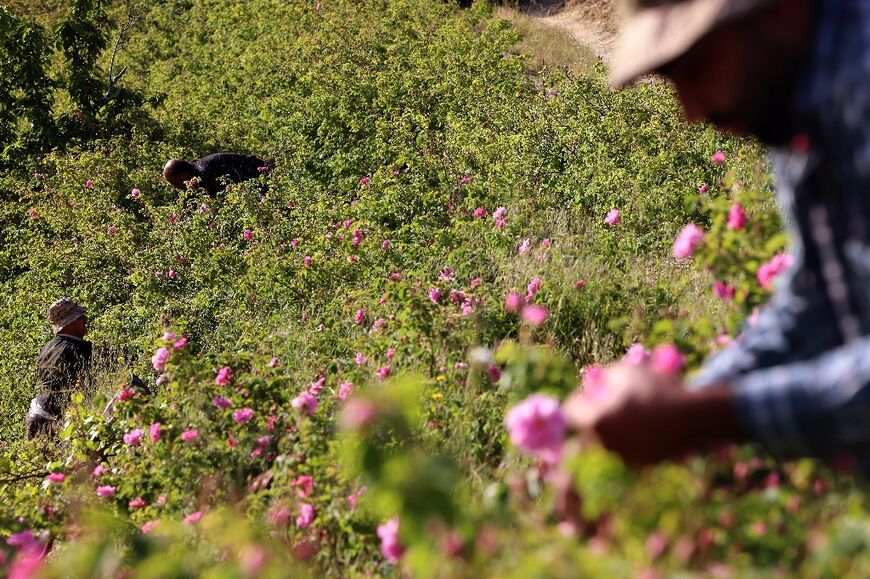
(818, 407)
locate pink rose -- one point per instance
(736, 217)
(534, 315)
(390, 353)
(179, 344)
(32, 214)
(242, 415)
(718, 157)
(525, 246)
(724, 291)
(703, 188)
(435, 295)
(499, 213)
(112, 229)
(636, 355)
(365, 181)
(613, 217)
(159, 359)
(305, 402)
(768, 271)
(137, 503)
(391, 548)
(382, 373)
(500, 223)
(224, 376)
(221, 402)
(594, 382)
(135, 193)
(193, 518)
(688, 241)
(306, 261)
(89, 184)
(345, 390)
(149, 526)
(189, 434)
(479, 213)
(134, 437)
(105, 491)
(306, 515)
(304, 485)
(537, 427)
(385, 245)
(99, 471)
(360, 359)
(57, 477)
(357, 413)
(668, 359)
(532, 289)
(248, 234)
(359, 317)
(154, 431)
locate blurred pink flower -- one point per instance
(579, 283)
(525, 246)
(306, 515)
(193, 518)
(32, 214)
(391, 548)
(112, 229)
(479, 212)
(224, 375)
(56, 477)
(134, 437)
(306, 261)
(304, 485)
(465, 180)
(537, 427)
(532, 289)
(382, 373)
(435, 295)
(594, 382)
(278, 516)
(365, 181)
(345, 390)
(149, 526)
(248, 234)
(220, 402)
(385, 245)
(357, 238)
(668, 359)
(494, 373)
(687, 241)
(534, 315)
(613, 217)
(475, 282)
(357, 413)
(499, 213)
(736, 217)
(105, 491)
(171, 274)
(154, 431)
(274, 362)
(359, 317)
(703, 188)
(305, 402)
(173, 218)
(89, 184)
(353, 497)
(136, 503)
(189, 434)
(723, 291)
(135, 192)
(500, 223)
(390, 353)
(27, 562)
(767, 272)
(718, 158)
(179, 344)
(242, 415)
(636, 355)
(317, 386)
(545, 243)
(99, 471)
(360, 359)
(158, 360)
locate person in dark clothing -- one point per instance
(63, 366)
(213, 171)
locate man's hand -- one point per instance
(647, 416)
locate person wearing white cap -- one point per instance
(62, 367)
(795, 74)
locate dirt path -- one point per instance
(591, 23)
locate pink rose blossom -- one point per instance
(613, 217)
(545, 244)
(636, 355)
(500, 223)
(317, 386)
(304, 485)
(499, 213)
(479, 213)
(360, 359)
(688, 241)
(112, 229)
(534, 315)
(171, 274)
(435, 295)
(306, 515)
(382, 373)
(135, 193)
(493, 373)
(32, 214)
(278, 516)
(173, 218)
(154, 431)
(357, 413)
(248, 234)
(724, 291)
(134, 437)
(105, 491)
(22, 540)
(306, 261)
(99, 471)
(353, 498)
(365, 181)
(224, 376)
(159, 359)
(475, 282)
(345, 390)
(736, 217)
(179, 344)
(305, 402)
(189, 434)
(768, 271)
(193, 518)
(390, 353)
(718, 158)
(136, 503)
(242, 415)
(221, 402)
(149, 526)
(668, 359)
(359, 317)
(525, 246)
(532, 289)
(385, 245)
(391, 548)
(89, 184)
(579, 283)
(273, 363)
(537, 427)
(57, 477)
(465, 180)
(703, 188)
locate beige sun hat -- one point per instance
(63, 312)
(655, 32)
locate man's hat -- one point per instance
(63, 312)
(655, 32)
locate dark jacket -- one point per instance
(232, 167)
(63, 367)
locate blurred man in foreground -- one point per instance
(796, 74)
(63, 367)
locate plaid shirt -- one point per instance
(801, 374)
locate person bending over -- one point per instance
(213, 171)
